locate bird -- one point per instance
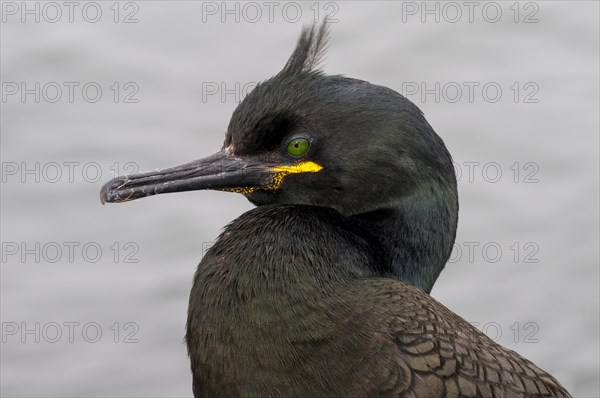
(322, 289)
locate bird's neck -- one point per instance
(416, 234)
(286, 250)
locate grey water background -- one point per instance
(531, 281)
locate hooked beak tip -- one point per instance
(109, 192)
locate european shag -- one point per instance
(321, 290)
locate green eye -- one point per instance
(298, 147)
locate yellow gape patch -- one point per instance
(280, 173)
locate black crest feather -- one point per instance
(309, 51)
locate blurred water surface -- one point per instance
(525, 269)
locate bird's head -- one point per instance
(303, 137)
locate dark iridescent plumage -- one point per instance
(321, 291)
(289, 303)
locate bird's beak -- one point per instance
(220, 171)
